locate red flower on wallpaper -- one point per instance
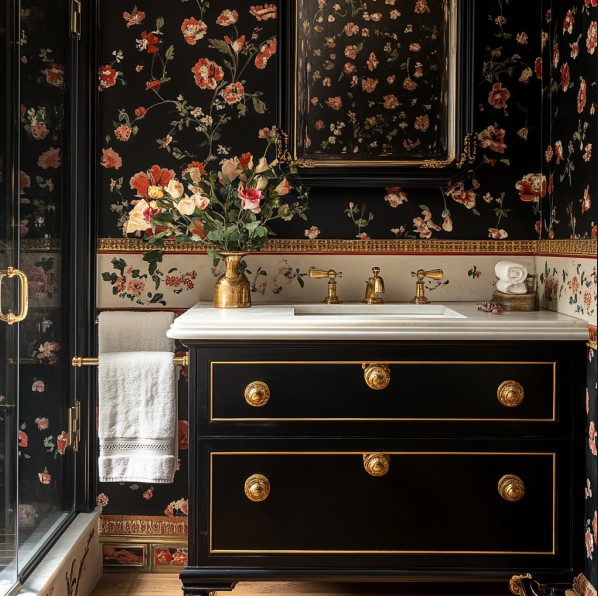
(183, 434)
(498, 96)
(591, 2)
(265, 12)
(23, 439)
(267, 50)
(532, 187)
(45, 477)
(62, 441)
(227, 17)
(492, 138)
(422, 123)
(49, 158)
(123, 133)
(55, 75)
(107, 75)
(581, 96)
(148, 42)
(592, 438)
(421, 6)
(111, 159)
(336, 103)
(565, 76)
(140, 112)
(193, 30)
(538, 67)
(591, 37)
(233, 93)
(135, 18)
(568, 22)
(207, 74)
(458, 193)
(102, 500)
(42, 423)
(156, 176)
(369, 84)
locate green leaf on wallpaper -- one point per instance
(153, 257)
(170, 53)
(108, 138)
(157, 298)
(228, 65)
(424, 207)
(506, 161)
(220, 45)
(134, 487)
(159, 23)
(258, 105)
(242, 109)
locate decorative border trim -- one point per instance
(444, 247)
(34, 245)
(145, 525)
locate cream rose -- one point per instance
(283, 188)
(230, 169)
(174, 189)
(261, 182)
(201, 201)
(137, 218)
(186, 206)
(262, 165)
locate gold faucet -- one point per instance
(374, 288)
(331, 274)
(420, 295)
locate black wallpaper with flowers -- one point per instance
(198, 82)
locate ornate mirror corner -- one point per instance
(377, 93)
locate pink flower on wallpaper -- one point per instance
(568, 22)
(589, 544)
(336, 103)
(233, 93)
(267, 50)
(38, 386)
(111, 159)
(587, 152)
(556, 55)
(422, 123)
(49, 158)
(227, 17)
(492, 138)
(395, 196)
(581, 96)
(207, 74)
(39, 131)
(538, 67)
(497, 233)
(351, 29)
(409, 84)
(498, 96)
(135, 18)
(136, 287)
(465, 197)
(586, 202)
(263, 13)
(102, 500)
(123, 133)
(391, 102)
(62, 441)
(595, 527)
(155, 176)
(591, 37)
(149, 493)
(47, 350)
(183, 426)
(45, 477)
(532, 187)
(193, 30)
(421, 6)
(25, 182)
(23, 439)
(592, 438)
(180, 505)
(312, 233)
(369, 84)
(42, 423)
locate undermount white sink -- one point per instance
(394, 311)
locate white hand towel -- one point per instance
(511, 277)
(138, 427)
(125, 331)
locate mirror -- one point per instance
(377, 91)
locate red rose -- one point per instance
(498, 96)
(107, 76)
(207, 74)
(123, 133)
(55, 75)
(140, 112)
(532, 187)
(565, 76)
(62, 441)
(148, 42)
(156, 176)
(233, 93)
(581, 96)
(23, 439)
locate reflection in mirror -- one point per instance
(377, 84)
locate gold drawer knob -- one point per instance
(257, 488)
(510, 394)
(511, 488)
(257, 394)
(376, 464)
(377, 376)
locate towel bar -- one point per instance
(79, 361)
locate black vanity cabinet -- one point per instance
(386, 460)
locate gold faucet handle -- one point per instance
(316, 273)
(432, 274)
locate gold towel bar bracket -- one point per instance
(79, 361)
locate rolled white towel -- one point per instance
(511, 277)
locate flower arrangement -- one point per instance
(228, 209)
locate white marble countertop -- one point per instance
(372, 322)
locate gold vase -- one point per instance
(232, 289)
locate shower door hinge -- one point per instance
(74, 426)
(76, 18)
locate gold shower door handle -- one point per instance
(11, 317)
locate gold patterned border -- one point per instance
(143, 525)
(581, 248)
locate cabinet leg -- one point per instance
(207, 589)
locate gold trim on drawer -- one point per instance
(552, 552)
(375, 419)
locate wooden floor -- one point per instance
(150, 584)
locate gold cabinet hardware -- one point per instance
(420, 293)
(79, 361)
(515, 584)
(257, 394)
(376, 464)
(257, 488)
(75, 426)
(76, 18)
(374, 288)
(511, 488)
(10, 318)
(377, 376)
(510, 394)
(331, 275)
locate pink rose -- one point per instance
(250, 198)
(283, 188)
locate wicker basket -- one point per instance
(522, 302)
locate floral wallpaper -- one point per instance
(591, 488)
(198, 83)
(570, 39)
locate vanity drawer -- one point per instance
(327, 390)
(427, 503)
